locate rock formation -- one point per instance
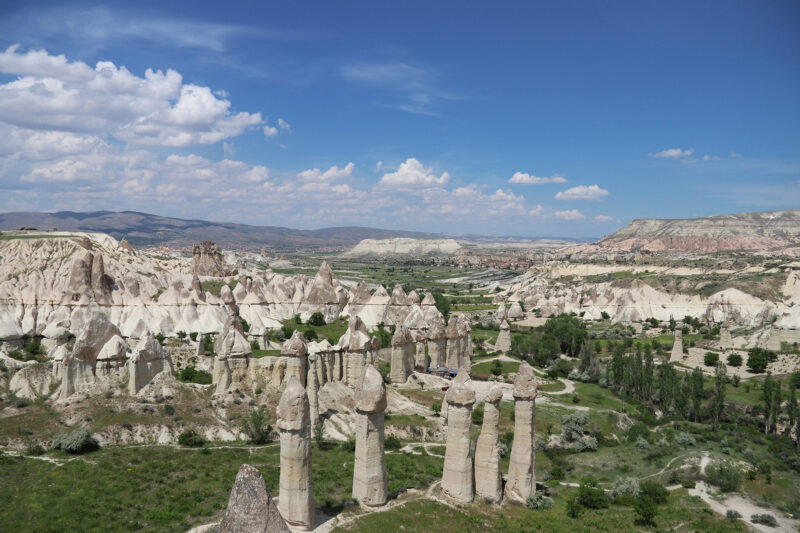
(232, 357)
(207, 260)
(296, 499)
(402, 364)
(677, 346)
(312, 384)
(369, 472)
(503, 338)
(421, 357)
(296, 352)
(488, 475)
(437, 344)
(250, 506)
(453, 345)
(149, 358)
(457, 476)
(521, 481)
(725, 339)
(515, 312)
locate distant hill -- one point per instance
(758, 232)
(144, 229)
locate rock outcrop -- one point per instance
(521, 481)
(207, 260)
(402, 364)
(296, 499)
(250, 506)
(437, 344)
(232, 357)
(296, 353)
(369, 472)
(149, 359)
(457, 476)
(488, 475)
(503, 342)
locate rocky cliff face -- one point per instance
(404, 247)
(758, 232)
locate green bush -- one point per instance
(537, 501)
(191, 375)
(590, 495)
(711, 359)
(34, 449)
(645, 510)
(193, 335)
(734, 359)
(392, 443)
(765, 518)
(192, 439)
(160, 338)
(725, 475)
(654, 490)
(574, 508)
(477, 414)
(256, 426)
(181, 335)
(316, 319)
(254, 346)
(77, 442)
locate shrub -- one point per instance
(765, 518)
(160, 338)
(169, 410)
(77, 442)
(734, 359)
(654, 490)
(316, 319)
(436, 408)
(181, 335)
(20, 403)
(725, 475)
(688, 484)
(642, 443)
(310, 335)
(254, 345)
(348, 445)
(477, 414)
(256, 426)
(574, 508)
(573, 425)
(711, 359)
(497, 367)
(685, 439)
(537, 501)
(191, 375)
(319, 433)
(626, 485)
(586, 444)
(645, 510)
(574, 374)
(638, 431)
(758, 358)
(193, 335)
(192, 439)
(34, 449)
(732, 514)
(590, 495)
(392, 443)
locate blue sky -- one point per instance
(563, 118)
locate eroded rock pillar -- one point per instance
(369, 472)
(521, 481)
(296, 500)
(458, 475)
(488, 476)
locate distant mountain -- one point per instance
(759, 232)
(144, 229)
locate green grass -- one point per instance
(265, 353)
(167, 489)
(555, 386)
(214, 286)
(486, 367)
(407, 420)
(331, 331)
(681, 513)
(592, 395)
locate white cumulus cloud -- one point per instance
(582, 192)
(522, 178)
(603, 218)
(673, 153)
(570, 214)
(333, 173)
(413, 175)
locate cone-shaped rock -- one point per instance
(402, 364)
(503, 338)
(521, 481)
(296, 499)
(458, 475)
(250, 506)
(369, 473)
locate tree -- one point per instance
(646, 510)
(256, 426)
(316, 319)
(735, 359)
(497, 367)
(719, 392)
(319, 433)
(768, 396)
(442, 303)
(181, 335)
(569, 331)
(696, 391)
(758, 358)
(711, 359)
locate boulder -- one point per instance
(250, 506)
